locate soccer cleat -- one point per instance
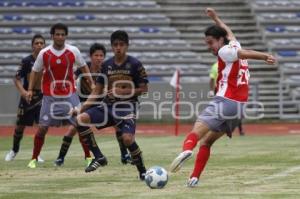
(40, 159)
(126, 159)
(192, 182)
(88, 161)
(59, 162)
(180, 159)
(32, 164)
(95, 164)
(142, 176)
(10, 155)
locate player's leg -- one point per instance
(240, 126)
(125, 156)
(128, 126)
(92, 115)
(45, 120)
(87, 155)
(199, 130)
(203, 156)
(226, 118)
(135, 152)
(39, 140)
(25, 117)
(66, 142)
(18, 135)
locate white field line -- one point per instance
(294, 131)
(282, 174)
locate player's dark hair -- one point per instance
(97, 46)
(59, 26)
(119, 35)
(37, 36)
(217, 32)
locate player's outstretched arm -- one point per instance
(252, 54)
(210, 12)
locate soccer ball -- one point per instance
(156, 177)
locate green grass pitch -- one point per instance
(260, 167)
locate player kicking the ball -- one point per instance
(222, 114)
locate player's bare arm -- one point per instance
(32, 81)
(210, 12)
(89, 79)
(251, 54)
(20, 87)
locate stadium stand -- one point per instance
(165, 35)
(280, 22)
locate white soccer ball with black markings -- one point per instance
(156, 177)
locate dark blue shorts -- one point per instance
(28, 114)
(121, 114)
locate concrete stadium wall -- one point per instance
(8, 103)
(157, 105)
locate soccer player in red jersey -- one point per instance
(56, 61)
(223, 112)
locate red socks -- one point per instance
(38, 144)
(201, 160)
(85, 148)
(190, 141)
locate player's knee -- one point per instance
(128, 139)
(83, 119)
(71, 131)
(42, 130)
(20, 128)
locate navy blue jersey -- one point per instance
(130, 73)
(84, 86)
(24, 70)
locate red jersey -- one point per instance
(57, 66)
(233, 74)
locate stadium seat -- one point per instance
(296, 41)
(149, 29)
(73, 3)
(287, 53)
(5, 30)
(281, 41)
(85, 17)
(293, 28)
(21, 30)
(11, 17)
(275, 28)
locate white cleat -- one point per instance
(40, 160)
(180, 159)
(10, 155)
(192, 182)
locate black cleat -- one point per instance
(126, 159)
(142, 176)
(99, 162)
(59, 162)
